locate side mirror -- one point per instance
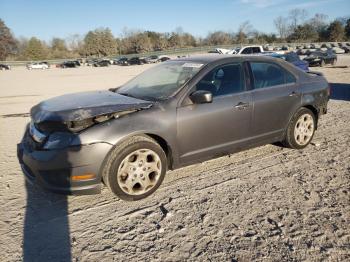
(201, 97)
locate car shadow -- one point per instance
(340, 91)
(46, 234)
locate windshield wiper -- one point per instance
(147, 98)
(126, 94)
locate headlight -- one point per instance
(59, 140)
(36, 134)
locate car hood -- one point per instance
(80, 106)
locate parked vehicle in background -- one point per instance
(338, 50)
(346, 48)
(177, 113)
(69, 64)
(152, 59)
(326, 45)
(255, 49)
(5, 67)
(38, 65)
(91, 61)
(163, 58)
(121, 61)
(102, 63)
(248, 50)
(136, 61)
(320, 58)
(294, 59)
(224, 51)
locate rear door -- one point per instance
(276, 96)
(214, 129)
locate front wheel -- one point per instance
(135, 168)
(301, 129)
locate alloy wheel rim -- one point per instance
(139, 172)
(304, 129)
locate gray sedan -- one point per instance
(175, 114)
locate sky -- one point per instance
(61, 18)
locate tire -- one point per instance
(301, 129)
(135, 168)
(322, 63)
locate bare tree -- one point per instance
(244, 30)
(296, 17)
(218, 38)
(319, 22)
(336, 31)
(281, 24)
(74, 42)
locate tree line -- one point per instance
(296, 27)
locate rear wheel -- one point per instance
(301, 129)
(135, 168)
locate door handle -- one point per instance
(293, 94)
(242, 105)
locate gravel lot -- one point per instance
(265, 204)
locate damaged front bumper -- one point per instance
(54, 170)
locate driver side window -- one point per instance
(224, 80)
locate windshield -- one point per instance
(161, 81)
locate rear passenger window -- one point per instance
(266, 74)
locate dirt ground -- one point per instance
(265, 204)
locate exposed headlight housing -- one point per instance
(38, 136)
(66, 132)
(58, 140)
(77, 126)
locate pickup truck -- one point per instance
(246, 50)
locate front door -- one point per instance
(215, 129)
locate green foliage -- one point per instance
(304, 32)
(99, 42)
(336, 31)
(59, 48)
(35, 49)
(347, 29)
(8, 43)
